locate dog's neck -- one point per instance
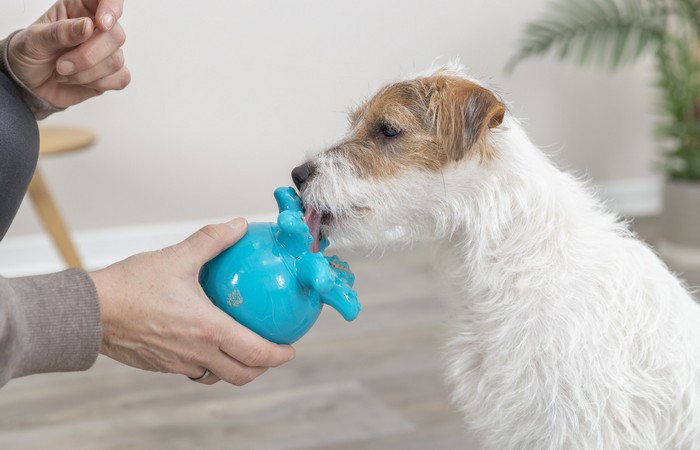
(522, 221)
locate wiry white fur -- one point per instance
(569, 333)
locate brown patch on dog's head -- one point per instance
(424, 124)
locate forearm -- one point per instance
(40, 107)
(48, 323)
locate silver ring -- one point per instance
(204, 376)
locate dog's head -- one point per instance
(387, 179)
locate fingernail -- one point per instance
(66, 68)
(79, 27)
(60, 78)
(237, 224)
(108, 20)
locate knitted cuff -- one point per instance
(62, 318)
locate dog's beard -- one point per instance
(353, 224)
(348, 225)
(366, 215)
(363, 235)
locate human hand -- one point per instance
(156, 316)
(65, 57)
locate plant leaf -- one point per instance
(618, 31)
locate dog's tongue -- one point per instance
(313, 221)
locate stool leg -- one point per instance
(48, 212)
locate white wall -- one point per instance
(228, 96)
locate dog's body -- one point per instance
(569, 332)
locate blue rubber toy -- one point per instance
(274, 281)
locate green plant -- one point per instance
(616, 32)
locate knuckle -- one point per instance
(55, 34)
(255, 357)
(244, 378)
(212, 231)
(207, 334)
(116, 61)
(114, 82)
(119, 35)
(191, 357)
(171, 252)
(84, 60)
(124, 79)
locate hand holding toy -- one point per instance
(275, 280)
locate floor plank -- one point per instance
(292, 418)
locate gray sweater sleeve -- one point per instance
(40, 107)
(48, 323)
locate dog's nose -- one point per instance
(302, 173)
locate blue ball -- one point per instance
(253, 283)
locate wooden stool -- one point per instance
(53, 141)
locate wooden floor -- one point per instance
(371, 384)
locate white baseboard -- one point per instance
(35, 254)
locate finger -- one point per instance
(222, 366)
(92, 51)
(211, 379)
(71, 94)
(62, 34)
(250, 349)
(197, 372)
(211, 240)
(233, 372)
(113, 64)
(114, 82)
(108, 13)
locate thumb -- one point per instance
(211, 240)
(62, 34)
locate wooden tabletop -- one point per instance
(55, 139)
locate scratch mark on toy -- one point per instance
(235, 299)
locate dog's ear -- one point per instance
(462, 112)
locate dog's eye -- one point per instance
(389, 130)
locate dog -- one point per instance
(569, 332)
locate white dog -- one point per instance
(569, 332)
